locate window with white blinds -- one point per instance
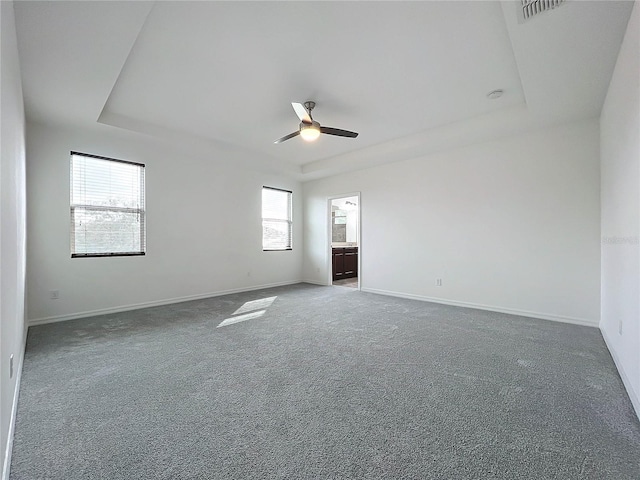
(107, 207)
(277, 225)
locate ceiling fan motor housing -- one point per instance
(314, 125)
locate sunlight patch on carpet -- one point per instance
(242, 318)
(260, 304)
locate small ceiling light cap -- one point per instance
(495, 94)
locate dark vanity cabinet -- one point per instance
(345, 262)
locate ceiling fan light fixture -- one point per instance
(311, 132)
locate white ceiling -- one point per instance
(410, 77)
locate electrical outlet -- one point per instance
(438, 282)
(620, 327)
(54, 294)
(11, 366)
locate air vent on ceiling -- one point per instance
(531, 8)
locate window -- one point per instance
(276, 219)
(107, 207)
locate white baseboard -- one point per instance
(156, 303)
(492, 308)
(315, 282)
(14, 409)
(635, 401)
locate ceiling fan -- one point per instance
(310, 129)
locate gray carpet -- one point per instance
(328, 382)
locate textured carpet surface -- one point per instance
(321, 382)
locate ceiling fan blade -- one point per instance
(302, 113)
(338, 132)
(287, 137)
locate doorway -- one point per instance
(344, 241)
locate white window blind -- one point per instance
(277, 225)
(107, 207)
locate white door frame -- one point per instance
(330, 237)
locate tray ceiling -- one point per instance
(406, 75)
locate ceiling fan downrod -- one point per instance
(309, 106)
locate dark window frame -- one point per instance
(289, 221)
(139, 211)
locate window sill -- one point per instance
(94, 255)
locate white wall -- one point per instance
(204, 231)
(620, 157)
(12, 225)
(510, 225)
